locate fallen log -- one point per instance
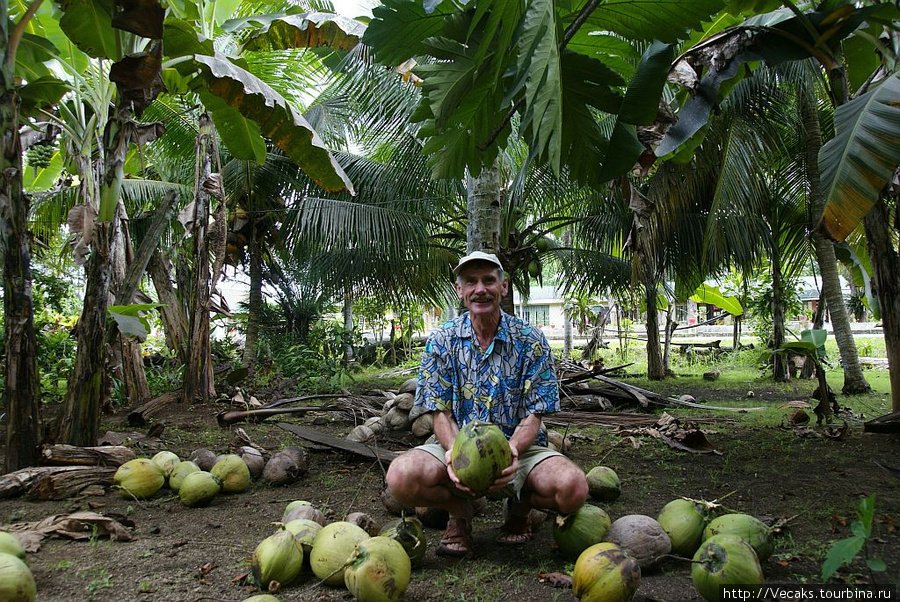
(226, 418)
(63, 485)
(339, 444)
(889, 423)
(139, 415)
(68, 455)
(15, 483)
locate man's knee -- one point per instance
(574, 490)
(408, 473)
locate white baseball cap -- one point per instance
(477, 256)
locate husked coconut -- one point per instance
(300, 457)
(642, 537)
(396, 419)
(281, 469)
(203, 458)
(391, 503)
(375, 424)
(404, 401)
(423, 426)
(409, 386)
(364, 521)
(360, 433)
(254, 460)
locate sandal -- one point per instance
(517, 530)
(457, 539)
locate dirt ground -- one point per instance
(193, 554)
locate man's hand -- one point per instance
(453, 478)
(509, 473)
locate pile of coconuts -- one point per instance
(204, 475)
(399, 415)
(609, 555)
(372, 561)
(17, 584)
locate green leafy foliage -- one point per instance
(844, 551)
(131, 320)
(862, 157)
(712, 295)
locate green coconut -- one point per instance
(198, 489)
(332, 548)
(167, 461)
(604, 484)
(233, 473)
(12, 546)
(16, 581)
(379, 570)
(181, 471)
(480, 453)
(408, 531)
(683, 521)
(724, 560)
(304, 531)
(278, 558)
(140, 478)
(749, 528)
(604, 572)
(576, 532)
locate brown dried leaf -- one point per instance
(560, 580)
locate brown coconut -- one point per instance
(423, 426)
(642, 537)
(254, 460)
(366, 522)
(392, 505)
(281, 469)
(203, 458)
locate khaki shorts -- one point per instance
(528, 459)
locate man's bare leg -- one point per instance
(416, 478)
(555, 484)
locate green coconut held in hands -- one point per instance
(480, 453)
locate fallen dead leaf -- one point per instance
(560, 580)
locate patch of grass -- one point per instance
(100, 579)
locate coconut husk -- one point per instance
(281, 469)
(423, 426)
(364, 521)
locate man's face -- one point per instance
(480, 288)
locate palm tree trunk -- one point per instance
(567, 336)
(130, 366)
(483, 212)
(779, 362)
(21, 395)
(348, 324)
(655, 368)
(886, 269)
(79, 422)
(171, 312)
(671, 325)
(255, 300)
(854, 381)
(198, 382)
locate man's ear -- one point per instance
(504, 286)
(458, 289)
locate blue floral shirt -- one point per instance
(513, 378)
